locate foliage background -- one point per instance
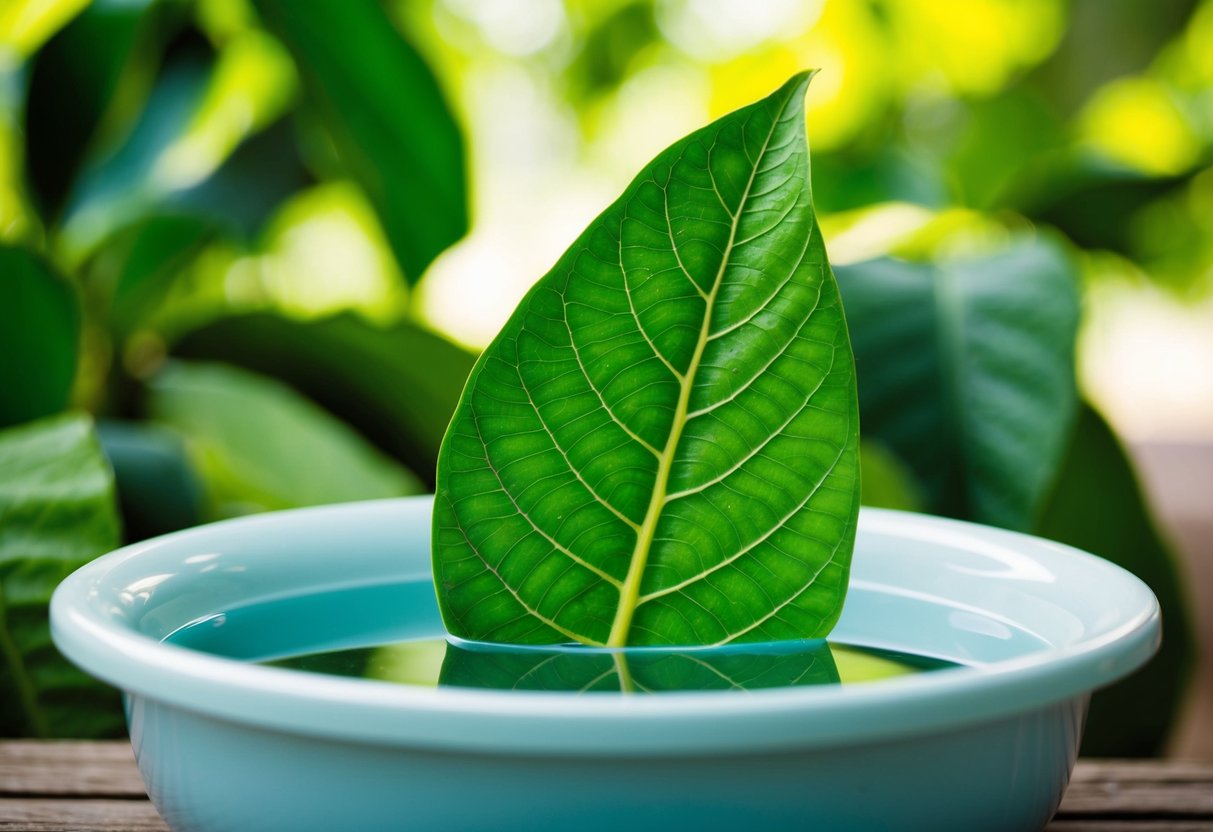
(234, 250)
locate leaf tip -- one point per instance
(798, 84)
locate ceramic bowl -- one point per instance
(225, 744)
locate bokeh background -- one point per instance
(251, 248)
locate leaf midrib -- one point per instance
(629, 595)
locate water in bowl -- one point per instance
(392, 632)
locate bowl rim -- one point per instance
(515, 722)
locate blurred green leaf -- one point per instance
(966, 373)
(158, 490)
(847, 180)
(1098, 506)
(26, 24)
(1092, 202)
(56, 513)
(39, 331)
(72, 85)
(164, 165)
(160, 248)
(1106, 39)
(610, 47)
(251, 184)
(398, 386)
(261, 446)
(120, 187)
(577, 670)
(387, 116)
(1000, 137)
(886, 481)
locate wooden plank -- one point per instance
(1128, 790)
(73, 815)
(1157, 771)
(1130, 826)
(95, 786)
(49, 769)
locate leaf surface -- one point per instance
(576, 670)
(57, 512)
(661, 445)
(966, 373)
(387, 116)
(39, 331)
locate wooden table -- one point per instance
(93, 786)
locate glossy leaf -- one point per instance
(661, 445)
(39, 331)
(260, 445)
(1097, 505)
(577, 670)
(57, 512)
(387, 116)
(397, 385)
(966, 373)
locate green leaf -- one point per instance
(887, 482)
(383, 108)
(73, 83)
(39, 331)
(124, 185)
(575, 669)
(966, 373)
(158, 490)
(160, 248)
(56, 513)
(661, 445)
(170, 161)
(397, 386)
(261, 446)
(1098, 506)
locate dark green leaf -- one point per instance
(124, 185)
(39, 331)
(966, 373)
(1094, 203)
(56, 513)
(158, 490)
(848, 180)
(1098, 506)
(72, 85)
(261, 446)
(575, 669)
(134, 181)
(661, 446)
(250, 185)
(398, 386)
(387, 117)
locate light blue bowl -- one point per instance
(224, 744)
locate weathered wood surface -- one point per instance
(94, 787)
